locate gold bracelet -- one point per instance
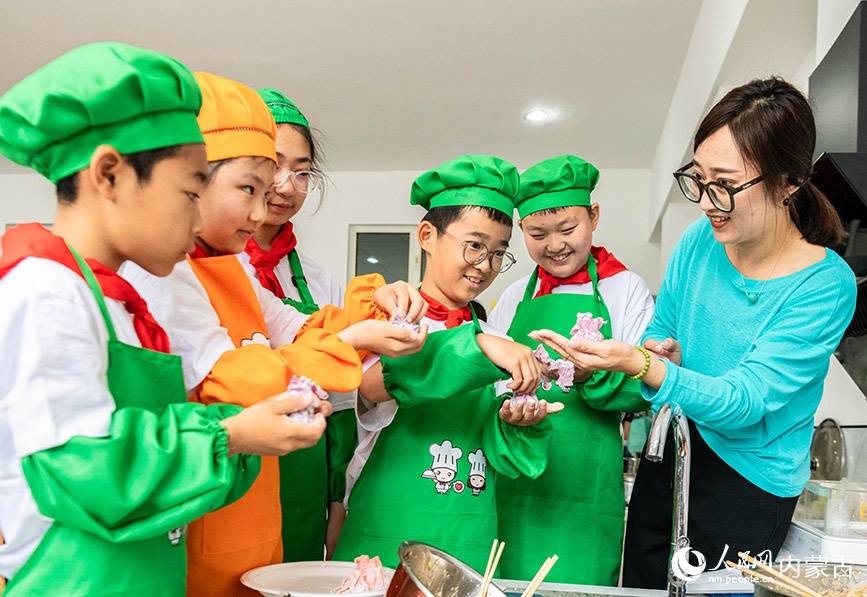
(646, 367)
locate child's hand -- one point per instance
(515, 358)
(265, 429)
(382, 337)
(666, 349)
(528, 413)
(399, 298)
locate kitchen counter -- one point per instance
(558, 590)
(717, 582)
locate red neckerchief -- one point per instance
(33, 240)
(266, 260)
(439, 312)
(606, 266)
(200, 253)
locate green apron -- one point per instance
(310, 478)
(420, 484)
(576, 508)
(72, 562)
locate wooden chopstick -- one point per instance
(493, 562)
(778, 576)
(491, 557)
(770, 582)
(484, 589)
(540, 576)
(768, 575)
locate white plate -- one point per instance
(305, 579)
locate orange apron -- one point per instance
(246, 534)
(224, 544)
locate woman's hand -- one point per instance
(665, 349)
(515, 358)
(382, 337)
(264, 428)
(529, 413)
(401, 299)
(608, 355)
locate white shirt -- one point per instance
(626, 295)
(325, 291)
(181, 305)
(53, 384)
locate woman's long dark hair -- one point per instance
(773, 126)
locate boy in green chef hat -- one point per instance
(436, 441)
(102, 460)
(576, 508)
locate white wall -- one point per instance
(678, 216)
(25, 198)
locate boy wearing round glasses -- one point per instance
(576, 507)
(436, 440)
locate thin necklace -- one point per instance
(753, 297)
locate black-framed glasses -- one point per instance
(721, 195)
(475, 253)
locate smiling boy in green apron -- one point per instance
(576, 508)
(435, 440)
(102, 460)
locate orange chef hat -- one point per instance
(235, 121)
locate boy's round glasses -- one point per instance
(475, 253)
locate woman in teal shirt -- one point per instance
(751, 309)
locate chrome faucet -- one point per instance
(655, 449)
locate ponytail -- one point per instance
(815, 217)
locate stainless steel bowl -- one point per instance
(426, 571)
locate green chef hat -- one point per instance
(103, 93)
(282, 108)
(482, 180)
(562, 181)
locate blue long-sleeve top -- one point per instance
(752, 373)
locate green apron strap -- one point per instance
(530, 290)
(594, 278)
(299, 280)
(97, 292)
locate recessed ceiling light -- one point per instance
(537, 115)
(372, 260)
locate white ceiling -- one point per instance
(398, 85)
